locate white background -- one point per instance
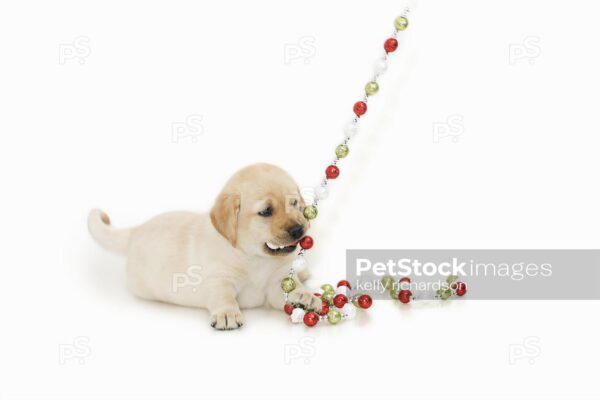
(520, 170)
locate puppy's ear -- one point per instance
(224, 216)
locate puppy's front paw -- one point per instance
(227, 319)
(308, 300)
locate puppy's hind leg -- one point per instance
(222, 305)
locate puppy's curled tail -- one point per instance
(115, 240)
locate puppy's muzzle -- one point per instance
(296, 231)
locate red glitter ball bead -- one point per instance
(340, 300)
(365, 301)
(461, 288)
(390, 45)
(360, 108)
(324, 309)
(332, 172)
(306, 242)
(404, 296)
(404, 282)
(311, 318)
(344, 283)
(288, 308)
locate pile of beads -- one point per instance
(401, 290)
(337, 304)
(336, 310)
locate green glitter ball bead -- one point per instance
(371, 88)
(327, 288)
(288, 285)
(451, 279)
(445, 294)
(394, 294)
(334, 316)
(327, 297)
(387, 282)
(401, 23)
(342, 151)
(310, 212)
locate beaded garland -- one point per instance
(340, 303)
(402, 289)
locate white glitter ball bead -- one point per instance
(297, 315)
(351, 130)
(342, 290)
(321, 192)
(299, 264)
(380, 66)
(349, 310)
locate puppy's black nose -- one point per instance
(296, 231)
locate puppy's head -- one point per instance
(260, 210)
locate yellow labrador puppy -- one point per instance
(233, 257)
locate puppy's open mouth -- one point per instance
(273, 249)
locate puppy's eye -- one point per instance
(294, 202)
(267, 212)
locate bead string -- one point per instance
(334, 300)
(401, 289)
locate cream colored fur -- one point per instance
(216, 260)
